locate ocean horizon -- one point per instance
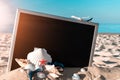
(109, 28)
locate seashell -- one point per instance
(75, 77)
(38, 55)
(53, 75)
(52, 69)
(41, 75)
(49, 67)
(30, 67)
(21, 62)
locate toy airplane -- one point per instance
(87, 19)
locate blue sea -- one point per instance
(109, 28)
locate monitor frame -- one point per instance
(19, 11)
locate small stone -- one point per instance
(41, 75)
(30, 67)
(75, 77)
(82, 70)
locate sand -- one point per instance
(106, 56)
(5, 40)
(107, 50)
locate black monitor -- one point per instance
(68, 41)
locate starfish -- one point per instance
(43, 62)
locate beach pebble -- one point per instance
(75, 77)
(83, 70)
(41, 75)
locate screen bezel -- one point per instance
(19, 11)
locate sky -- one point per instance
(7, 12)
(102, 11)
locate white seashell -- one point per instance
(30, 67)
(75, 77)
(37, 55)
(52, 69)
(41, 75)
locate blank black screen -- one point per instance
(67, 42)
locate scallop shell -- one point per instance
(37, 55)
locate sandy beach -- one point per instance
(5, 40)
(106, 55)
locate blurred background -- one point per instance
(104, 12)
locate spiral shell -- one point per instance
(37, 55)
